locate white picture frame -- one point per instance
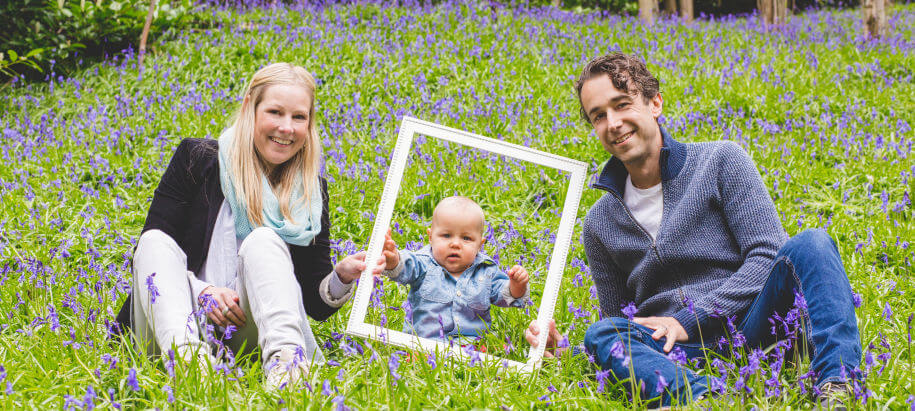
(409, 128)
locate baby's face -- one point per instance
(456, 237)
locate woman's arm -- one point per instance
(171, 201)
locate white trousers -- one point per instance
(268, 293)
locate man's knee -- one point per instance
(604, 331)
(812, 242)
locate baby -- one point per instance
(452, 283)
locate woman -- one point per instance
(239, 229)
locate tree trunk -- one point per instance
(874, 18)
(646, 11)
(686, 10)
(773, 12)
(670, 7)
(145, 33)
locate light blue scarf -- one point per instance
(307, 218)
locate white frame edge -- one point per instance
(409, 127)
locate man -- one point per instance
(688, 234)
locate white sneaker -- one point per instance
(283, 370)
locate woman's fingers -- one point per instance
(235, 313)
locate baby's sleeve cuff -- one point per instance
(515, 302)
(396, 271)
(331, 289)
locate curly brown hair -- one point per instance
(627, 73)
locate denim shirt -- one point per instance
(444, 305)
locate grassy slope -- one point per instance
(827, 117)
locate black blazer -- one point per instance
(185, 206)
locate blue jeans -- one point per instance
(808, 263)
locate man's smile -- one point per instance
(622, 139)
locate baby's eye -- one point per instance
(466, 238)
(446, 235)
(301, 117)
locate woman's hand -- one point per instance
(227, 309)
(351, 267)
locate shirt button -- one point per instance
(458, 293)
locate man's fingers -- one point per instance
(671, 339)
(659, 332)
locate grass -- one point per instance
(826, 115)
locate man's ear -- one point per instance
(656, 105)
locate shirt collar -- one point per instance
(613, 176)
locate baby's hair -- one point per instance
(464, 203)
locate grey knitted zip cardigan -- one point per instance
(717, 243)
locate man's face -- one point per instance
(456, 238)
(626, 125)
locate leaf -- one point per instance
(13, 55)
(34, 52)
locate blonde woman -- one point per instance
(239, 230)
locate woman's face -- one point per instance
(281, 123)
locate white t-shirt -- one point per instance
(646, 205)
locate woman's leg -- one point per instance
(643, 361)
(162, 304)
(269, 293)
(810, 264)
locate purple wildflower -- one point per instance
(857, 299)
(629, 311)
(887, 311)
(394, 364)
(618, 351)
(132, 380)
(661, 385)
(326, 389)
(151, 286)
(601, 377)
(677, 355)
(170, 393)
(430, 359)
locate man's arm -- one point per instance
(757, 230)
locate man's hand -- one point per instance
(227, 308)
(517, 281)
(664, 327)
(391, 256)
(532, 333)
(351, 267)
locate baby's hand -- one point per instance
(391, 256)
(517, 281)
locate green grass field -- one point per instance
(827, 116)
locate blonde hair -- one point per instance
(248, 168)
(464, 204)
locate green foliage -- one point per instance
(826, 117)
(61, 33)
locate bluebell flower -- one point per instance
(618, 351)
(629, 311)
(132, 380)
(151, 286)
(661, 385)
(170, 393)
(601, 377)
